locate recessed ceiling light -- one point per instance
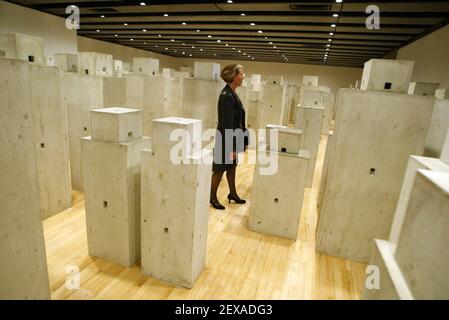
(184, 23)
(335, 15)
(227, 45)
(165, 14)
(190, 55)
(156, 46)
(98, 30)
(244, 53)
(144, 43)
(143, 4)
(331, 33)
(198, 30)
(328, 45)
(183, 44)
(115, 35)
(252, 24)
(239, 51)
(209, 36)
(218, 41)
(270, 42)
(242, 14)
(144, 30)
(327, 49)
(172, 40)
(102, 15)
(125, 24)
(252, 58)
(233, 48)
(159, 35)
(230, 1)
(260, 31)
(201, 49)
(183, 53)
(166, 48)
(333, 25)
(329, 39)
(193, 47)
(338, 1)
(131, 39)
(274, 47)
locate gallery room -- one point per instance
(230, 150)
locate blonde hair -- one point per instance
(229, 72)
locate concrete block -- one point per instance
(81, 94)
(445, 150)
(187, 71)
(392, 285)
(116, 124)
(188, 130)
(295, 95)
(96, 64)
(206, 70)
(68, 62)
(118, 68)
(255, 82)
(175, 209)
(168, 72)
(146, 66)
(277, 199)
(173, 97)
(374, 135)
(22, 47)
(200, 99)
(422, 88)
(422, 253)
(112, 198)
(22, 250)
(309, 120)
(442, 94)
(182, 75)
(289, 139)
(387, 75)
(51, 145)
(310, 80)
(439, 125)
(273, 105)
(414, 163)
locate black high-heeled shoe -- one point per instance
(236, 199)
(217, 205)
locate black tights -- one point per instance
(216, 178)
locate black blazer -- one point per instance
(231, 115)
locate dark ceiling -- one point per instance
(282, 31)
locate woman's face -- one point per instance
(238, 79)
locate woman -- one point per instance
(231, 116)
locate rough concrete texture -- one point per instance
(274, 80)
(318, 97)
(310, 80)
(421, 252)
(81, 94)
(114, 92)
(309, 121)
(442, 94)
(146, 66)
(22, 47)
(96, 64)
(51, 139)
(392, 285)
(174, 209)
(22, 250)
(200, 100)
(324, 172)
(255, 82)
(168, 72)
(112, 198)
(189, 70)
(387, 75)
(68, 62)
(206, 70)
(439, 126)
(423, 88)
(375, 134)
(116, 124)
(414, 163)
(277, 199)
(273, 104)
(289, 139)
(294, 93)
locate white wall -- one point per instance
(57, 39)
(431, 56)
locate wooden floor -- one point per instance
(240, 264)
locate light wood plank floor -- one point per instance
(240, 264)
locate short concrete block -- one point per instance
(442, 94)
(22, 47)
(68, 62)
(96, 64)
(310, 80)
(146, 66)
(277, 199)
(112, 194)
(289, 139)
(423, 88)
(273, 105)
(116, 124)
(387, 75)
(206, 70)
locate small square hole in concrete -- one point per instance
(283, 149)
(130, 134)
(372, 172)
(104, 69)
(166, 230)
(31, 58)
(387, 85)
(276, 200)
(140, 69)
(153, 73)
(86, 71)
(42, 145)
(105, 204)
(85, 128)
